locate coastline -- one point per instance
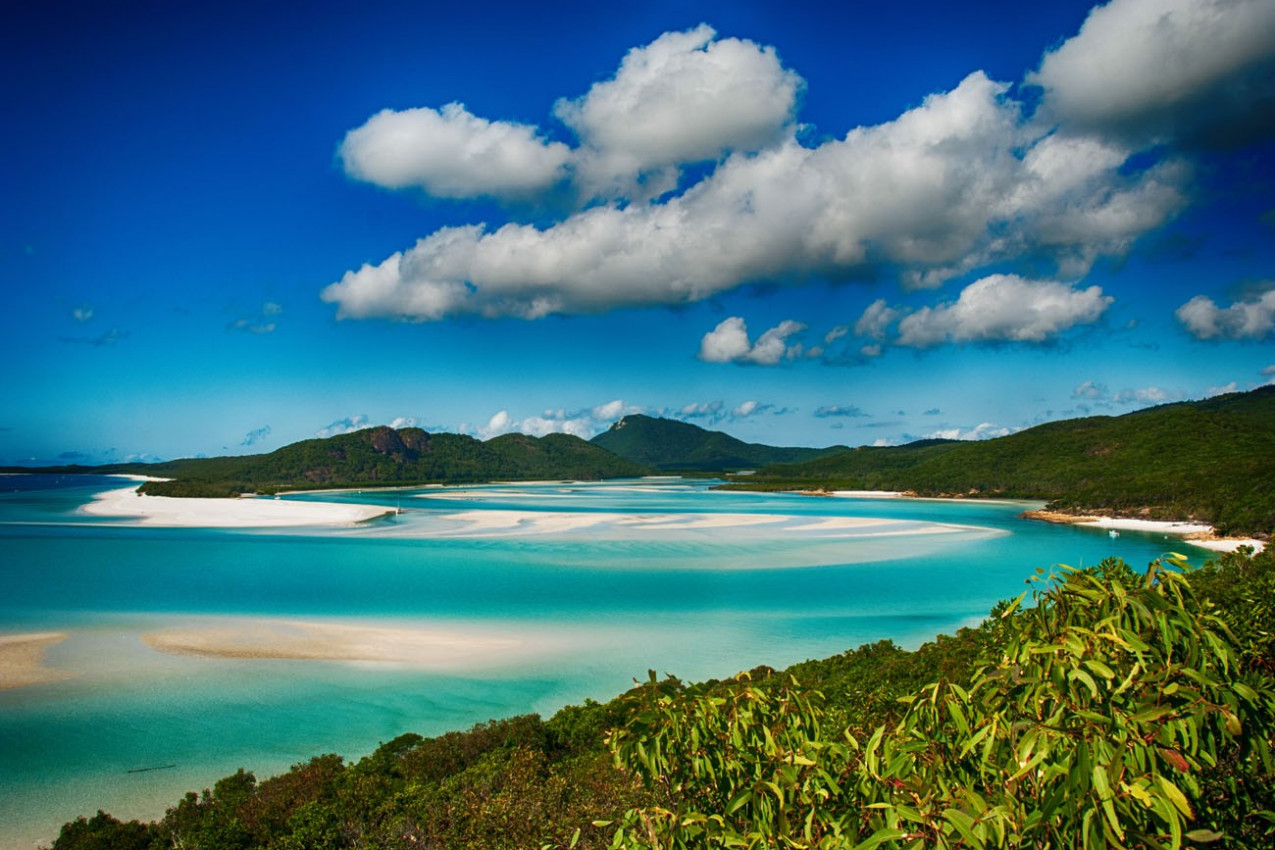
(1195, 533)
(133, 508)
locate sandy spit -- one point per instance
(127, 504)
(22, 660)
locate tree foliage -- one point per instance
(1209, 460)
(1090, 726)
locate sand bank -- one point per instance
(1195, 533)
(22, 660)
(868, 494)
(126, 503)
(427, 648)
(504, 523)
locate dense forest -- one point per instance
(672, 446)
(381, 457)
(1105, 708)
(1211, 460)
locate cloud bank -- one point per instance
(970, 178)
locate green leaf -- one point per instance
(880, 837)
(1204, 836)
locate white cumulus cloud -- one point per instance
(1250, 318)
(729, 342)
(1162, 69)
(585, 423)
(982, 431)
(1005, 308)
(452, 153)
(686, 97)
(958, 182)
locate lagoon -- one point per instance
(192, 652)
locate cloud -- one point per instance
(1160, 70)
(102, 340)
(729, 343)
(1144, 396)
(831, 410)
(348, 425)
(960, 182)
(260, 324)
(1004, 308)
(750, 408)
(710, 410)
(1251, 318)
(686, 97)
(1269, 372)
(875, 320)
(1090, 390)
(255, 436)
(403, 422)
(982, 431)
(82, 313)
(1232, 387)
(452, 153)
(585, 423)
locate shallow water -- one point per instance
(651, 583)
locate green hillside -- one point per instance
(672, 446)
(382, 457)
(1211, 460)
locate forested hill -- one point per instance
(1211, 460)
(383, 456)
(673, 446)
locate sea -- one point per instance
(571, 590)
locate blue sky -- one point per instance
(227, 227)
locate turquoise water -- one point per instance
(663, 575)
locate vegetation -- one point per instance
(1211, 461)
(379, 457)
(1112, 709)
(672, 446)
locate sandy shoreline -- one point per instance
(247, 512)
(22, 660)
(1195, 533)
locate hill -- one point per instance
(1211, 460)
(672, 446)
(382, 457)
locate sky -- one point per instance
(226, 227)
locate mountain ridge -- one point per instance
(670, 445)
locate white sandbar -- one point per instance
(493, 523)
(22, 660)
(432, 648)
(247, 512)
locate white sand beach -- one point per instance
(430, 648)
(1198, 534)
(248, 512)
(22, 660)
